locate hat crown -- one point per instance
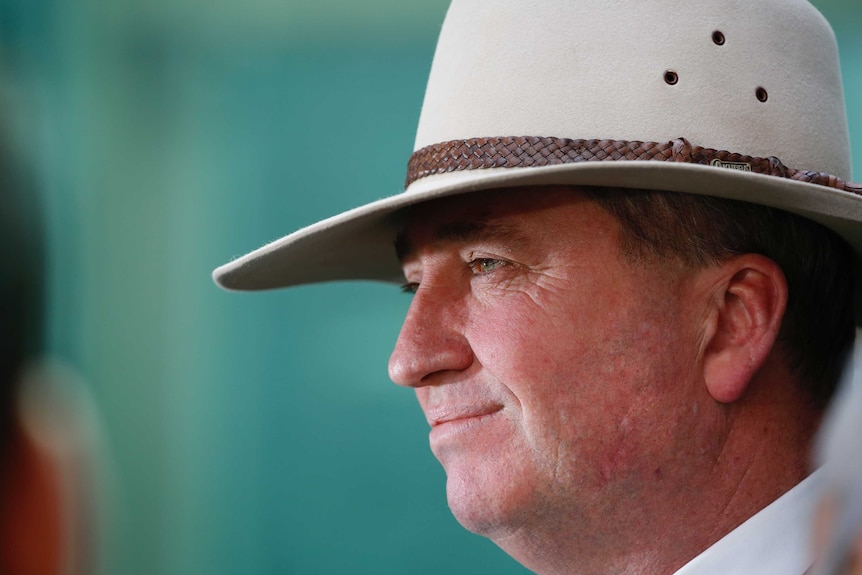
(759, 78)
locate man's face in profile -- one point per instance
(556, 374)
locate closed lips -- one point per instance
(445, 415)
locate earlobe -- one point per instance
(749, 305)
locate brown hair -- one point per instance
(819, 325)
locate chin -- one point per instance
(488, 505)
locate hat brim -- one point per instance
(359, 244)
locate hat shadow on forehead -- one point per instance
(738, 99)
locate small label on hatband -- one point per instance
(741, 166)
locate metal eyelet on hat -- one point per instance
(671, 77)
(718, 38)
(761, 94)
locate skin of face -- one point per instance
(562, 381)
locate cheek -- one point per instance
(548, 364)
(588, 383)
(566, 345)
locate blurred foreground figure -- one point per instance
(631, 239)
(49, 516)
(839, 452)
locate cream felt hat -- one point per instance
(740, 99)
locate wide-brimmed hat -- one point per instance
(739, 99)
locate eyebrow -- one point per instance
(463, 231)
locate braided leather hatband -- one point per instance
(530, 151)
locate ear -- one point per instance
(749, 304)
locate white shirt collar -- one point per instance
(775, 541)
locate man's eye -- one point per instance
(410, 287)
(485, 265)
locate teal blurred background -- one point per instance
(246, 433)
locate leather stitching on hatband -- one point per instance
(531, 151)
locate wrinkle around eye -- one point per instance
(537, 285)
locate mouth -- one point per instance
(449, 416)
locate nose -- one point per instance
(432, 339)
